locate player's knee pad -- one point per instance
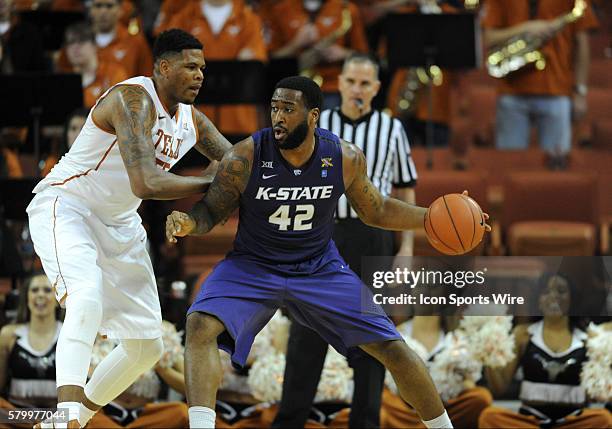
(145, 352)
(83, 316)
(76, 339)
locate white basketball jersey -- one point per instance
(93, 170)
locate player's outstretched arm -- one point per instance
(130, 112)
(372, 208)
(211, 143)
(222, 198)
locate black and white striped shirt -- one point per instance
(385, 146)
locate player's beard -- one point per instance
(296, 137)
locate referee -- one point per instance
(385, 145)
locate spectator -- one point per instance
(11, 139)
(97, 76)
(545, 96)
(229, 30)
(27, 349)
(168, 9)
(114, 42)
(54, 5)
(73, 126)
(430, 331)
(551, 353)
(21, 47)
(307, 28)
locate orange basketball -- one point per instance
(454, 224)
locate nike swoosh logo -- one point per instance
(267, 177)
(160, 117)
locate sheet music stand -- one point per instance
(450, 41)
(232, 82)
(39, 99)
(279, 68)
(52, 25)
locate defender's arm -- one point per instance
(222, 198)
(130, 112)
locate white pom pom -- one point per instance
(490, 337)
(173, 347)
(596, 375)
(273, 335)
(266, 376)
(454, 367)
(336, 382)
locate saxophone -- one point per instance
(311, 57)
(416, 79)
(523, 50)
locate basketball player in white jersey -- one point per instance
(87, 232)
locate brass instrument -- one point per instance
(311, 57)
(523, 50)
(417, 78)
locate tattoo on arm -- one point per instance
(211, 143)
(223, 196)
(362, 194)
(133, 118)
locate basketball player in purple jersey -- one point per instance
(287, 181)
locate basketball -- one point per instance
(454, 224)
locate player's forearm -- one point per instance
(203, 218)
(396, 215)
(162, 185)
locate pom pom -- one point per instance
(266, 376)
(173, 346)
(596, 375)
(336, 382)
(490, 337)
(455, 368)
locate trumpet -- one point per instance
(524, 49)
(311, 57)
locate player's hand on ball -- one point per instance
(455, 224)
(178, 224)
(484, 215)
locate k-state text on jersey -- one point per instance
(294, 193)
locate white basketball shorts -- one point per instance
(79, 251)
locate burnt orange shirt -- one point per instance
(167, 11)
(290, 16)
(558, 77)
(107, 75)
(56, 5)
(242, 30)
(132, 52)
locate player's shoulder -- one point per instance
(243, 149)
(350, 152)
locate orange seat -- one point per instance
(550, 213)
